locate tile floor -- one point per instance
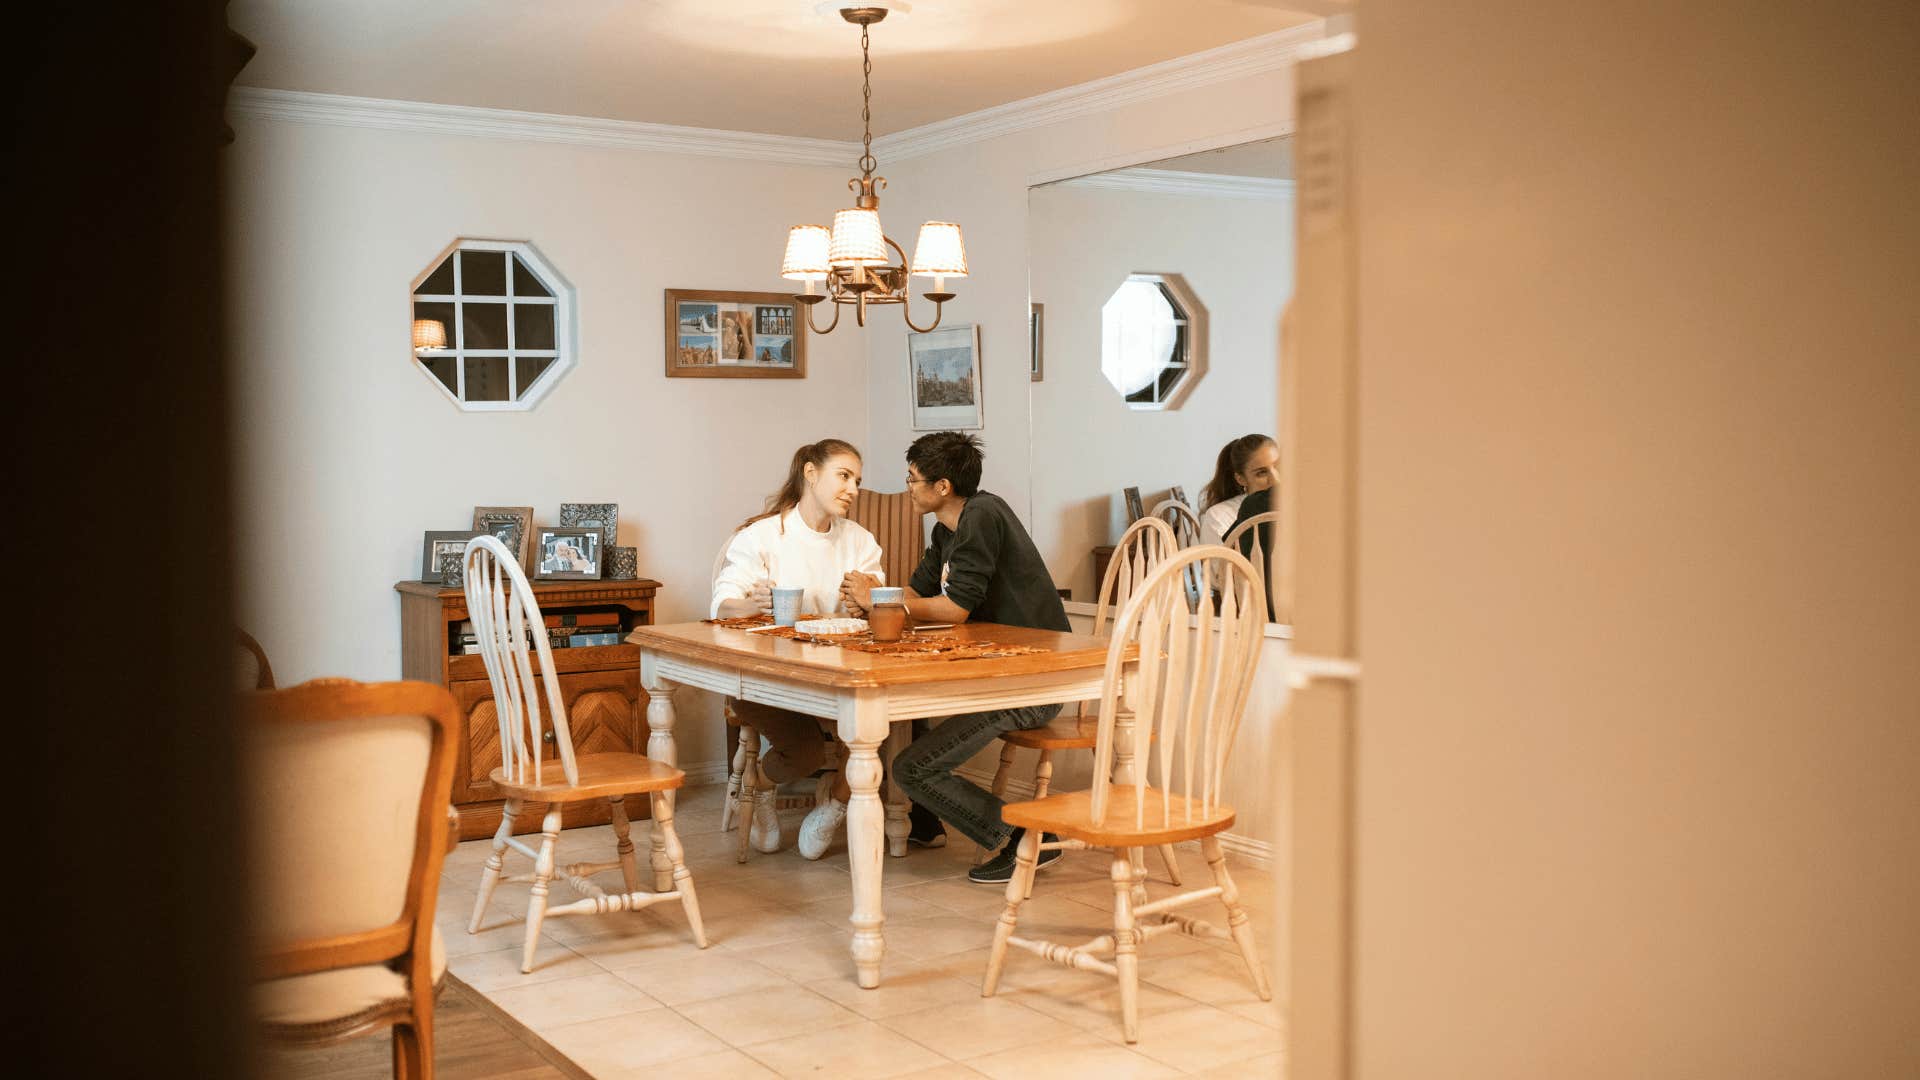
(773, 994)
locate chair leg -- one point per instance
(542, 877)
(682, 877)
(1238, 921)
(999, 788)
(1172, 864)
(1043, 774)
(1138, 857)
(412, 1053)
(622, 830)
(727, 808)
(1126, 947)
(1026, 860)
(490, 876)
(749, 781)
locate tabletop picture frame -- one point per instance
(568, 553)
(735, 335)
(602, 516)
(434, 543)
(511, 525)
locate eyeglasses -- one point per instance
(912, 480)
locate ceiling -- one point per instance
(774, 66)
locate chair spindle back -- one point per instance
(1190, 689)
(505, 614)
(1141, 548)
(1257, 533)
(1181, 519)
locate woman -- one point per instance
(801, 540)
(1248, 464)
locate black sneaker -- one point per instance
(999, 869)
(925, 830)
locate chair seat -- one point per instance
(602, 776)
(1071, 816)
(332, 1004)
(1063, 732)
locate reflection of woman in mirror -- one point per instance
(1248, 464)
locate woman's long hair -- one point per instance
(1233, 459)
(788, 497)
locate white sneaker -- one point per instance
(764, 833)
(816, 832)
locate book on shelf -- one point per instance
(609, 619)
(609, 637)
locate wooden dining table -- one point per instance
(868, 697)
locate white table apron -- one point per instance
(865, 717)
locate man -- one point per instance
(982, 566)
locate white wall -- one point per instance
(1638, 750)
(983, 186)
(347, 453)
(1237, 257)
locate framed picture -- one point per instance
(943, 378)
(566, 552)
(1036, 341)
(1135, 509)
(511, 525)
(602, 516)
(434, 545)
(735, 335)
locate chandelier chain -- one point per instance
(867, 162)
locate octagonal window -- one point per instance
(1150, 330)
(493, 324)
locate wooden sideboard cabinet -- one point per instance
(599, 684)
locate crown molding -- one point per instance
(1268, 52)
(1192, 184)
(302, 107)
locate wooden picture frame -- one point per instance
(511, 525)
(944, 392)
(559, 552)
(735, 335)
(1135, 508)
(1036, 341)
(433, 543)
(602, 516)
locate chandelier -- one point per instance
(853, 257)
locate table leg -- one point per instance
(660, 747)
(863, 727)
(898, 736)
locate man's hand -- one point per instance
(856, 591)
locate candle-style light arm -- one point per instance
(906, 309)
(808, 300)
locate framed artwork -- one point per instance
(1135, 508)
(435, 544)
(735, 335)
(943, 379)
(511, 525)
(567, 553)
(1036, 341)
(602, 516)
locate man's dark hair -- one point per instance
(952, 456)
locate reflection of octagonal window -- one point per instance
(493, 324)
(1149, 328)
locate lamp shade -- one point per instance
(940, 251)
(857, 239)
(429, 334)
(806, 253)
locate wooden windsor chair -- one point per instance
(1180, 518)
(1144, 545)
(505, 615)
(346, 856)
(1253, 538)
(1190, 689)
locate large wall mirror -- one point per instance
(1162, 286)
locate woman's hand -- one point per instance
(761, 597)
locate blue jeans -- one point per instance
(924, 770)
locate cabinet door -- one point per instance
(605, 714)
